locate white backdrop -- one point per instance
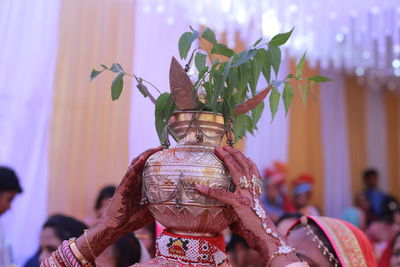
(375, 116)
(28, 34)
(270, 142)
(155, 43)
(335, 145)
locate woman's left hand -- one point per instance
(249, 225)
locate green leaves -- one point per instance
(239, 126)
(287, 96)
(262, 59)
(117, 85)
(223, 50)
(280, 39)
(319, 79)
(244, 57)
(274, 101)
(116, 68)
(209, 35)
(185, 42)
(94, 74)
(165, 106)
(274, 55)
(200, 61)
(300, 66)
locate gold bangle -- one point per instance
(77, 253)
(89, 247)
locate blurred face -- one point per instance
(395, 260)
(272, 192)
(302, 199)
(306, 249)
(372, 181)
(362, 202)
(49, 242)
(5, 200)
(103, 206)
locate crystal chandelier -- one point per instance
(360, 36)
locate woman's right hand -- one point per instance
(123, 214)
(248, 224)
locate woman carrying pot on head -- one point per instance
(125, 214)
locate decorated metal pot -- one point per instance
(170, 176)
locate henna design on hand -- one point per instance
(123, 214)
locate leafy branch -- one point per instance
(118, 81)
(230, 82)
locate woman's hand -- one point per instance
(246, 178)
(123, 214)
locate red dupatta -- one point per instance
(350, 244)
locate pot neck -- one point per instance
(197, 128)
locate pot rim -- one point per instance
(204, 116)
(197, 111)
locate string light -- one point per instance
(351, 35)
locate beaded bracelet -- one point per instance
(283, 247)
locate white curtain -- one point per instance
(335, 145)
(156, 41)
(270, 142)
(28, 34)
(375, 116)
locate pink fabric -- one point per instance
(350, 244)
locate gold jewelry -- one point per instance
(87, 242)
(258, 184)
(276, 254)
(325, 251)
(243, 183)
(77, 253)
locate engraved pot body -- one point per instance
(170, 176)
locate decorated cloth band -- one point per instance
(191, 249)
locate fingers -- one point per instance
(240, 158)
(217, 193)
(231, 164)
(229, 198)
(253, 168)
(138, 162)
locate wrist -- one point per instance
(94, 241)
(274, 256)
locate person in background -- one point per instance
(286, 221)
(147, 237)
(123, 253)
(240, 254)
(56, 229)
(302, 194)
(383, 229)
(391, 255)
(104, 197)
(102, 200)
(275, 199)
(9, 188)
(357, 214)
(375, 196)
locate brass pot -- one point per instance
(170, 176)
